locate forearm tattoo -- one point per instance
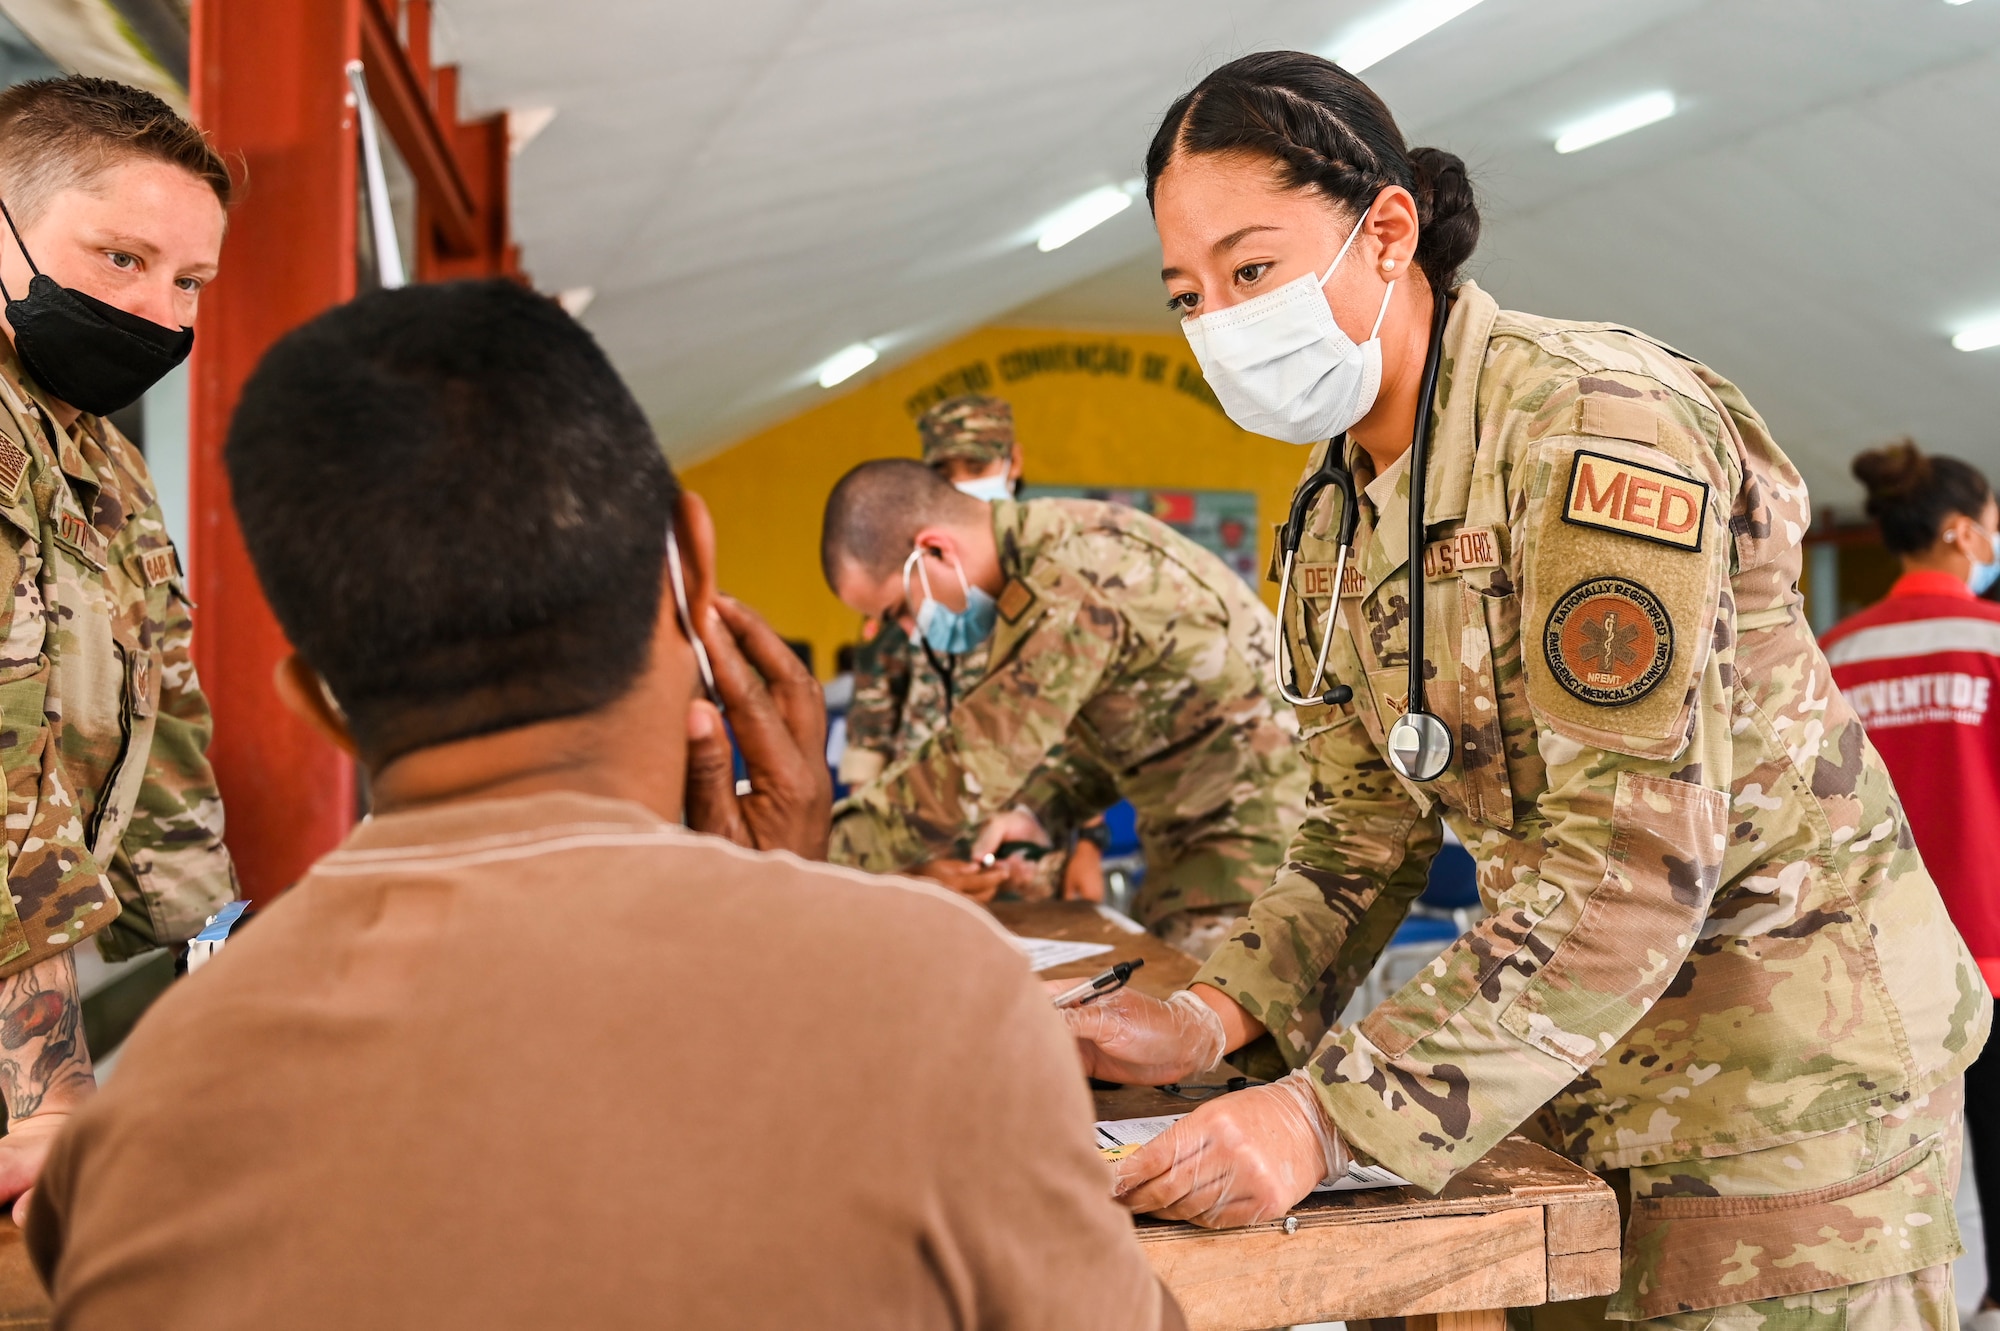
(42, 1051)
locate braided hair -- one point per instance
(1326, 130)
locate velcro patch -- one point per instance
(1466, 548)
(1634, 500)
(1608, 641)
(1015, 599)
(160, 565)
(1317, 580)
(13, 466)
(81, 537)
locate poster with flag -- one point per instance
(1222, 521)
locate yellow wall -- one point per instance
(1089, 409)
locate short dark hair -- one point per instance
(1911, 494)
(60, 133)
(876, 510)
(457, 511)
(1325, 130)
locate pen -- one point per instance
(1099, 985)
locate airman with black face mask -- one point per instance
(114, 212)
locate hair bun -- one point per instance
(1893, 470)
(1447, 211)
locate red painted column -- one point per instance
(270, 86)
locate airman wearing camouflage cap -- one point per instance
(973, 428)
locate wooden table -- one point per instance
(1519, 1228)
(23, 1305)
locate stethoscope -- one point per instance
(1419, 743)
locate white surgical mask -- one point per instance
(1280, 364)
(989, 488)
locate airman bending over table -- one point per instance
(905, 688)
(1110, 634)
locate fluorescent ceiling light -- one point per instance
(1080, 215)
(845, 363)
(524, 123)
(1979, 336)
(1615, 120)
(1381, 37)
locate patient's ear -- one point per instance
(305, 696)
(694, 532)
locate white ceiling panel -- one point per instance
(751, 186)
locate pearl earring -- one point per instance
(1388, 265)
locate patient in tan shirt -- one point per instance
(523, 1052)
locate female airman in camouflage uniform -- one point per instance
(1713, 966)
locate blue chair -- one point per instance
(1121, 821)
(1124, 861)
(1446, 908)
(1453, 889)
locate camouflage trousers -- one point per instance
(1917, 1301)
(1848, 1229)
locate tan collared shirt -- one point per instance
(555, 1062)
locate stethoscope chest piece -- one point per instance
(1419, 746)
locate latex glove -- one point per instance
(22, 1153)
(1239, 1159)
(1136, 1039)
(1017, 824)
(778, 712)
(966, 878)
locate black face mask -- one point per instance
(94, 356)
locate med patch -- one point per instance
(1616, 632)
(1632, 499)
(1608, 641)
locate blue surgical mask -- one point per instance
(945, 629)
(1985, 575)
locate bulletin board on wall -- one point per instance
(1222, 522)
(1125, 415)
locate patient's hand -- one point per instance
(778, 712)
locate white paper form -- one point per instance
(1048, 953)
(1138, 1131)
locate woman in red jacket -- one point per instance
(1922, 668)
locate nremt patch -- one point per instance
(1608, 641)
(1635, 500)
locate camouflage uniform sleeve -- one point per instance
(881, 676)
(1359, 859)
(171, 867)
(1587, 933)
(929, 804)
(1068, 791)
